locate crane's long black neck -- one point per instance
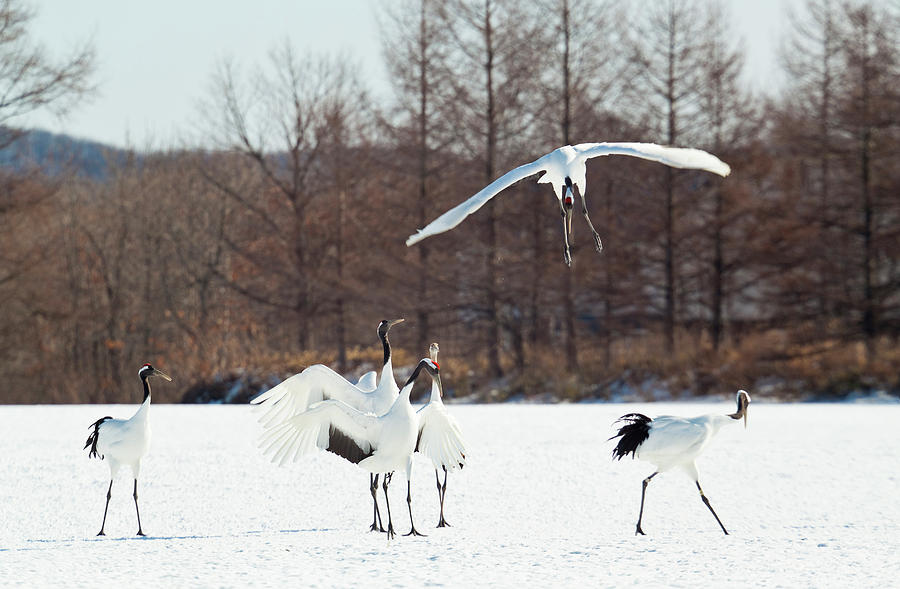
(415, 373)
(146, 384)
(386, 345)
(742, 405)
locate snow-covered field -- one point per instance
(810, 494)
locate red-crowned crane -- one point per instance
(669, 442)
(124, 442)
(440, 438)
(378, 444)
(565, 169)
(319, 382)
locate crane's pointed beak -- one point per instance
(393, 322)
(158, 372)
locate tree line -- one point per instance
(280, 242)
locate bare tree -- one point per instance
(586, 80)
(869, 112)
(731, 127)
(30, 79)
(668, 50)
(278, 120)
(415, 44)
(840, 121)
(493, 37)
(810, 56)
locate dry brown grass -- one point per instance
(771, 362)
(768, 359)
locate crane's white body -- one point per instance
(124, 442)
(676, 442)
(570, 161)
(439, 437)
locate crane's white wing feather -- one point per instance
(675, 439)
(455, 216)
(113, 434)
(676, 157)
(327, 425)
(368, 381)
(440, 439)
(297, 393)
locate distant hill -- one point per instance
(60, 154)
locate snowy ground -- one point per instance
(810, 494)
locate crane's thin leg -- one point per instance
(442, 491)
(646, 482)
(387, 481)
(412, 526)
(587, 218)
(140, 532)
(567, 255)
(105, 509)
(376, 516)
(706, 501)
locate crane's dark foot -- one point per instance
(376, 528)
(101, 533)
(141, 533)
(390, 531)
(726, 531)
(442, 523)
(413, 532)
(638, 530)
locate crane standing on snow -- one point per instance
(440, 438)
(670, 442)
(124, 442)
(378, 444)
(319, 382)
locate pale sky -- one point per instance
(156, 59)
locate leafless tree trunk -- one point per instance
(491, 33)
(279, 122)
(668, 52)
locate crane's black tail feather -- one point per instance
(632, 434)
(92, 438)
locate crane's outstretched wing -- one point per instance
(676, 157)
(440, 439)
(297, 393)
(455, 216)
(328, 425)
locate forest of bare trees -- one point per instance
(280, 243)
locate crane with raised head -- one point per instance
(124, 442)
